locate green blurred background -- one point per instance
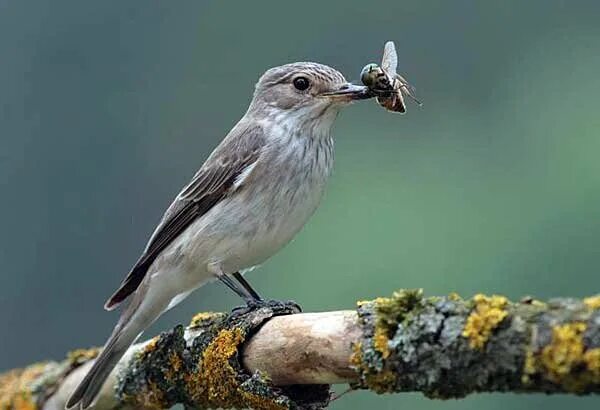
(107, 109)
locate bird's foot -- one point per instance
(278, 307)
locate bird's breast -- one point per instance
(295, 175)
(284, 191)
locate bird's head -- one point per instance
(307, 91)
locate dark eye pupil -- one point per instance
(301, 83)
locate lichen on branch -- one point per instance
(202, 370)
(448, 347)
(269, 358)
(30, 387)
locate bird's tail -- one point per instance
(130, 326)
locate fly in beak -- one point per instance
(349, 92)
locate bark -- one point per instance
(275, 358)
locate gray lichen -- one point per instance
(449, 347)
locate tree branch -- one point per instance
(442, 346)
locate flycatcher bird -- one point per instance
(252, 195)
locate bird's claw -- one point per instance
(278, 307)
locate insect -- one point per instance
(386, 83)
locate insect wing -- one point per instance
(389, 62)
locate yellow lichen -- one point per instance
(175, 365)
(216, 384)
(529, 369)
(216, 367)
(79, 356)
(487, 314)
(380, 342)
(15, 387)
(591, 358)
(150, 346)
(564, 360)
(254, 401)
(454, 297)
(592, 302)
(175, 362)
(200, 318)
(381, 382)
(565, 351)
(356, 356)
(389, 313)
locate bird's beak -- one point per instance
(349, 92)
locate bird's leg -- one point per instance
(242, 281)
(228, 281)
(231, 284)
(250, 296)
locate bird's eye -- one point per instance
(301, 83)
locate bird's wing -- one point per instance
(219, 176)
(389, 62)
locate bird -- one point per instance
(251, 196)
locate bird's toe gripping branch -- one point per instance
(208, 373)
(279, 307)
